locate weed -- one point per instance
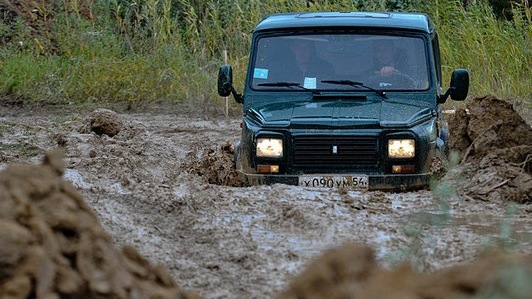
(24, 151)
(513, 282)
(169, 50)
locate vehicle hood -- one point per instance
(341, 113)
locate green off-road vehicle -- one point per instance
(343, 100)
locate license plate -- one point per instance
(347, 181)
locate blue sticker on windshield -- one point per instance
(260, 73)
(309, 83)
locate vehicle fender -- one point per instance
(442, 142)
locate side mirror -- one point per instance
(225, 83)
(225, 80)
(459, 86)
(460, 82)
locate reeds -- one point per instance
(497, 52)
(170, 50)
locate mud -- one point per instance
(154, 200)
(148, 205)
(103, 121)
(351, 271)
(54, 247)
(216, 165)
(496, 151)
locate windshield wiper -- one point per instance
(289, 84)
(356, 84)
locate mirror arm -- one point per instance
(238, 97)
(444, 96)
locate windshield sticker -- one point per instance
(310, 83)
(260, 73)
(311, 105)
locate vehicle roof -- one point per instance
(384, 20)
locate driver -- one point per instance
(385, 58)
(389, 66)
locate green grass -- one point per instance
(25, 150)
(148, 51)
(496, 52)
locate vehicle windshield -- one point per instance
(380, 62)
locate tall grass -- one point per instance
(169, 50)
(497, 53)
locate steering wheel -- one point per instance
(396, 79)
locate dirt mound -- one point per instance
(103, 121)
(52, 244)
(351, 271)
(496, 147)
(216, 166)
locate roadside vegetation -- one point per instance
(141, 52)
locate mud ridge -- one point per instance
(496, 149)
(351, 271)
(53, 246)
(216, 165)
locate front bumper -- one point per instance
(388, 182)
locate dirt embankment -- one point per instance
(496, 151)
(52, 244)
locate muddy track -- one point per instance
(222, 241)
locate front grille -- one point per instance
(335, 152)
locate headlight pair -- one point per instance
(397, 148)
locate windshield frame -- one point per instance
(424, 63)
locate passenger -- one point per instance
(306, 63)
